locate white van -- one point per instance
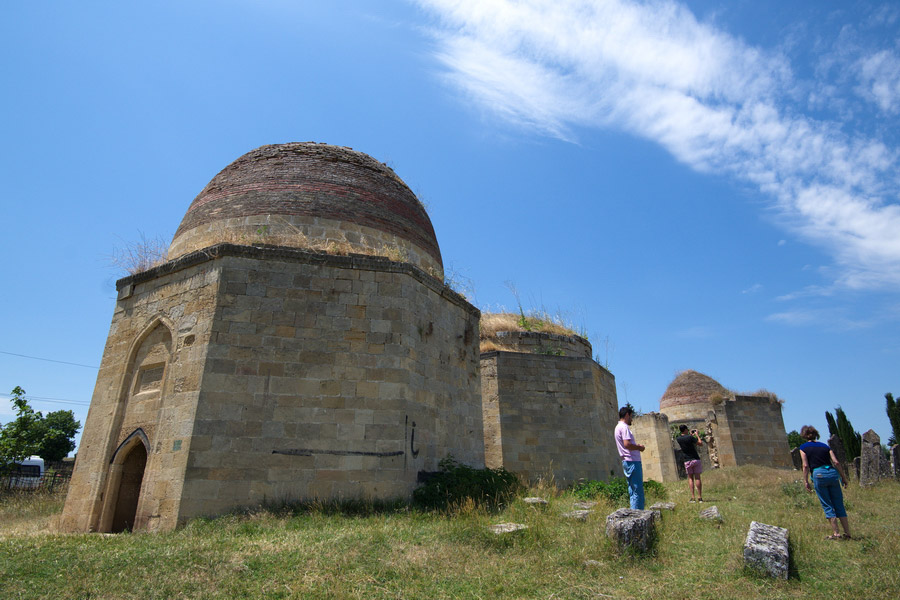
(27, 473)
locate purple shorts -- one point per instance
(693, 467)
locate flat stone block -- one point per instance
(630, 528)
(501, 528)
(766, 550)
(711, 514)
(578, 515)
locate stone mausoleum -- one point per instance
(299, 342)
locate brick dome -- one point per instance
(689, 396)
(314, 196)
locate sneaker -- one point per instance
(692, 500)
(700, 500)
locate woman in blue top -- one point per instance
(828, 476)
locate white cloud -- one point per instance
(716, 103)
(879, 77)
(756, 287)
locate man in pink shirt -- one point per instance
(631, 457)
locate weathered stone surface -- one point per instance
(870, 459)
(593, 563)
(856, 462)
(766, 550)
(712, 513)
(796, 459)
(634, 529)
(837, 446)
(579, 515)
(501, 528)
(663, 506)
(535, 501)
(585, 505)
(895, 461)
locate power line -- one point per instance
(46, 399)
(49, 360)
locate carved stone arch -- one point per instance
(124, 483)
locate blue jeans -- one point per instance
(827, 483)
(634, 473)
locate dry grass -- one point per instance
(138, 256)
(401, 553)
(536, 321)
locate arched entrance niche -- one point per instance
(126, 475)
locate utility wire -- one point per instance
(29, 397)
(49, 360)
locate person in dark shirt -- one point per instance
(693, 465)
(820, 461)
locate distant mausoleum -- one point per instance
(738, 429)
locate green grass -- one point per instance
(390, 551)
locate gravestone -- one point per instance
(534, 501)
(837, 446)
(578, 515)
(856, 462)
(895, 461)
(632, 528)
(766, 550)
(711, 514)
(586, 505)
(796, 459)
(663, 506)
(501, 528)
(870, 459)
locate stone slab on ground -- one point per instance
(766, 550)
(580, 515)
(501, 528)
(663, 506)
(535, 501)
(631, 528)
(712, 514)
(585, 505)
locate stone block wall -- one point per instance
(750, 430)
(148, 382)
(546, 414)
(658, 458)
(295, 375)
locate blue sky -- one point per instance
(707, 185)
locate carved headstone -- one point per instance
(870, 459)
(895, 461)
(711, 514)
(766, 550)
(856, 462)
(796, 458)
(631, 528)
(837, 446)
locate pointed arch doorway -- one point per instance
(126, 476)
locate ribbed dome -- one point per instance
(314, 196)
(691, 387)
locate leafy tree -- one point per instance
(794, 439)
(56, 435)
(18, 438)
(893, 413)
(51, 437)
(832, 426)
(851, 439)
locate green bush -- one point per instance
(616, 489)
(455, 483)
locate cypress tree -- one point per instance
(851, 439)
(832, 426)
(893, 413)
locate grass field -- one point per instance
(361, 550)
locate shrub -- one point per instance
(455, 483)
(616, 489)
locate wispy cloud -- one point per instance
(716, 103)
